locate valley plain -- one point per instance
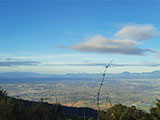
(141, 93)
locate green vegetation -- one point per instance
(121, 112)
(18, 109)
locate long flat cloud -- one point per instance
(125, 42)
(104, 64)
(100, 44)
(19, 63)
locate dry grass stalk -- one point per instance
(101, 84)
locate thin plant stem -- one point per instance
(56, 94)
(101, 84)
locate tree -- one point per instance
(6, 107)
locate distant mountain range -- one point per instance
(124, 75)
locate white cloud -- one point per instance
(137, 32)
(125, 42)
(100, 44)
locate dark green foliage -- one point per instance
(6, 109)
(3, 93)
(14, 109)
(18, 109)
(40, 112)
(155, 111)
(120, 112)
(90, 118)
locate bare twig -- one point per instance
(56, 94)
(74, 104)
(101, 84)
(56, 107)
(108, 100)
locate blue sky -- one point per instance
(80, 36)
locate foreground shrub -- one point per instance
(155, 111)
(121, 112)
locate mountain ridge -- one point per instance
(124, 75)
